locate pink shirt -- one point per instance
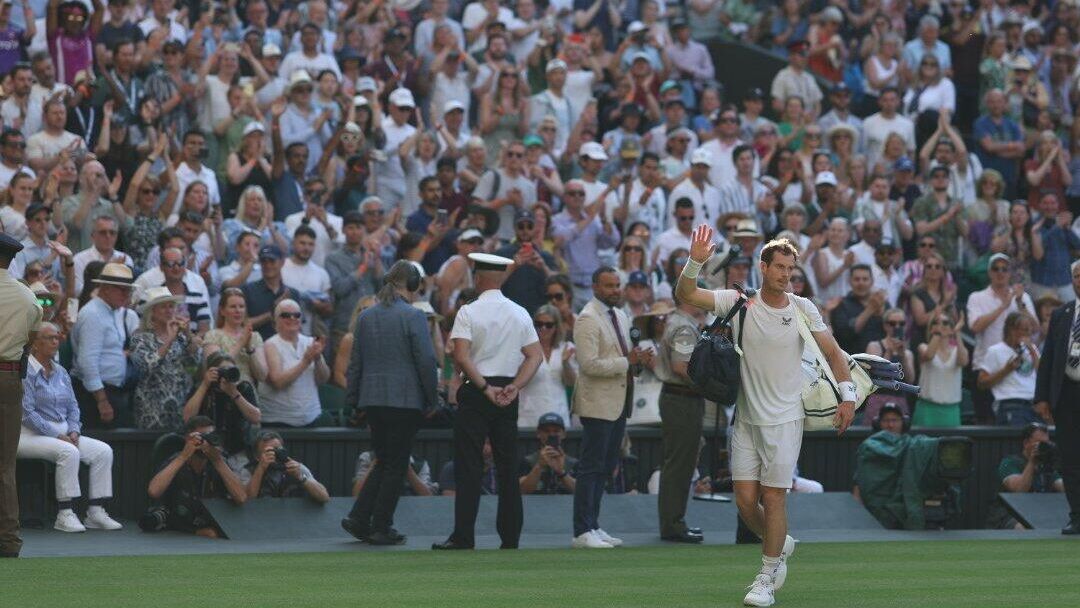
(71, 55)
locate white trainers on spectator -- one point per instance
(67, 521)
(98, 519)
(607, 538)
(761, 592)
(589, 540)
(781, 570)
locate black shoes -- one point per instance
(8, 554)
(450, 545)
(694, 531)
(688, 537)
(387, 538)
(358, 530)
(1072, 528)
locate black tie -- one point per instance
(1074, 360)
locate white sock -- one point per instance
(95, 510)
(769, 565)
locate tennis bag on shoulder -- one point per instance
(821, 396)
(714, 365)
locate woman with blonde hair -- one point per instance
(254, 213)
(547, 391)
(986, 213)
(233, 335)
(892, 150)
(345, 345)
(942, 359)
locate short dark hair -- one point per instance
(305, 231)
(861, 266)
(192, 133)
(780, 246)
(18, 67)
(1031, 429)
(599, 272)
(739, 149)
(196, 422)
(648, 156)
(427, 180)
(192, 217)
(684, 203)
(168, 234)
(245, 234)
(445, 162)
(889, 89)
(8, 133)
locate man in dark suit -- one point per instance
(393, 375)
(1057, 391)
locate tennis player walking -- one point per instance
(768, 425)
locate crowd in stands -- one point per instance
(209, 194)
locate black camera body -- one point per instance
(213, 438)
(230, 373)
(281, 456)
(1046, 454)
(553, 441)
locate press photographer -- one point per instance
(231, 403)
(547, 470)
(196, 472)
(1034, 469)
(277, 475)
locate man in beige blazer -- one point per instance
(603, 396)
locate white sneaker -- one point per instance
(607, 538)
(98, 519)
(761, 592)
(589, 540)
(67, 521)
(781, 570)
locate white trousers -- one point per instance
(96, 454)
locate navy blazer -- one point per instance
(393, 360)
(1052, 364)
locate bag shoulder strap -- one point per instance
(808, 337)
(742, 323)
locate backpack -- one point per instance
(714, 365)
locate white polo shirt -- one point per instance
(497, 330)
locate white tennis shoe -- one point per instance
(67, 521)
(781, 571)
(589, 540)
(607, 538)
(761, 591)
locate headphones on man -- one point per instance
(896, 409)
(413, 278)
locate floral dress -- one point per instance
(164, 383)
(140, 238)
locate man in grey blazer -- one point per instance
(393, 375)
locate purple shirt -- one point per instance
(11, 48)
(71, 55)
(581, 246)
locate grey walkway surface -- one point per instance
(296, 526)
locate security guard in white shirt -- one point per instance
(497, 350)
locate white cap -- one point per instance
(471, 233)
(825, 178)
(556, 64)
(452, 105)
(593, 150)
(253, 127)
(402, 98)
(487, 261)
(299, 77)
(352, 127)
(640, 55)
(635, 27)
(997, 256)
(365, 83)
(271, 50)
(359, 100)
(701, 156)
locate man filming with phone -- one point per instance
(547, 470)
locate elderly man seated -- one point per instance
(51, 431)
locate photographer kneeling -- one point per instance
(1032, 470)
(198, 471)
(232, 405)
(274, 474)
(547, 470)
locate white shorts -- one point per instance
(767, 454)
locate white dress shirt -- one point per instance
(497, 329)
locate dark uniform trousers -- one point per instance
(478, 418)
(392, 432)
(681, 414)
(1067, 431)
(11, 394)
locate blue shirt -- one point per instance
(1053, 269)
(49, 398)
(98, 339)
(436, 256)
(1005, 131)
(581, 245)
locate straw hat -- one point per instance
(115, 273)
(658, 309)
(158, 295)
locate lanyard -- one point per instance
(87, 123)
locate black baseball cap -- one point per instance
(755, 93)
(551, 419)
(271, 252)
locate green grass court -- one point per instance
(947, 574)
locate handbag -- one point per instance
(821, 396)
(714, 364)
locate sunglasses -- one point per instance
(927, 245)
(797, 279)
(558, 297)
(933, 266)
(149, 191)
(728, 120)
(173, 264)
(544, 324)
(17, 144)
(290, 315)
(515, 154)
(813, 135)
(634, 249)
(895, 323)
(999, 269)
(942, 322)
(45, 302)
(315, 192)
(107, 232)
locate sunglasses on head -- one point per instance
(289, 315)
(544, 324)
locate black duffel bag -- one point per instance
(714, 365)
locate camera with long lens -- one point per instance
(229, 373)
(213, 438)
(155, 519)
